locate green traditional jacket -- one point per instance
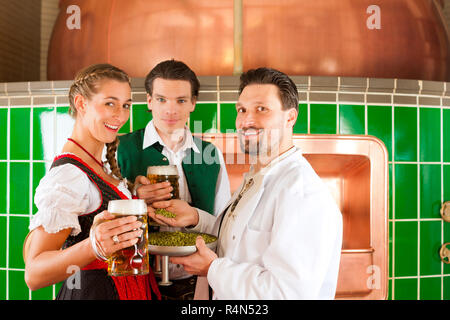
(201, 169)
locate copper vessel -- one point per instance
(355, 169)
(404, 39)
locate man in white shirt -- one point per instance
(172, 91)
(280, 235)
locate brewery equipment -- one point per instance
(404, 39)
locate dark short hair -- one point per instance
(172, 70)
(286, 87)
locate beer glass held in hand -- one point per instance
(168, 173)
(132, 260)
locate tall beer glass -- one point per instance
(132, 260)
(158, 174)
(169, 173)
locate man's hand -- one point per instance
(152, 192)
(185, 214)
(199, 262)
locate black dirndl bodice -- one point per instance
(107, 194)
(94, 284)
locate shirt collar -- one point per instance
(272, 163)
(151, 136)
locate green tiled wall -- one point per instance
(204, 118)
(379, 124)
(416, 134)
(405, 134)
(322, 118)
(228, 114)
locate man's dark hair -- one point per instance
(286, 87)
(172, 70)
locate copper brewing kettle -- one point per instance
(392, 39)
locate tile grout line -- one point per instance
(218, 108)
(405, 105)
(393, 192)
(30, 191)
(414, 220)
(353, 93)
(366, 117)
(8, 192)
(422, 162)
(422, 276)
(308, 108)
(338, 129)
(27, 161)
(366, 109)
(418, 197)
(17, 215)
(43, 106)
(54, 129)
(55, 145)
(389, 162)
(442, 183)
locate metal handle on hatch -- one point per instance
(444, 252)
(445, 211)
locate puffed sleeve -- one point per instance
(61, 196)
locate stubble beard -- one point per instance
(266, 146)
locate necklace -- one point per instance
(241, 193)
(90, 155)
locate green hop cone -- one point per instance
(165, 213)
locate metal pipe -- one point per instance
(237, 36)
(157, 265)
(165, 272)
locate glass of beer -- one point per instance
(168, 173)
(132, 260)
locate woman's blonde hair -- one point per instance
(87, 83)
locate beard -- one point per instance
(267, 143)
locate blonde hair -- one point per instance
(87, 83)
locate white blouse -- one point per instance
(64, 193)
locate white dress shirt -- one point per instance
(283, 239)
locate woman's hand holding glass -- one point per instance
(113, 234)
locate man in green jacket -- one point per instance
(172, 91)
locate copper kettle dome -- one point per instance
(396, 39)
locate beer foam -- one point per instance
(128, 207)
(170, 170)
